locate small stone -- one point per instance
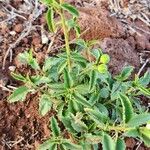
(36, 41)
(44, 39)
(12, 33)
(18, 28)
(12, 68)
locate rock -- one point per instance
(36, 41)
(18, 28)
(13, 33)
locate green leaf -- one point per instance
(67, 123)
(78, 57)
(97, 53)
(144, 90)
(48, 145)
(80, 99)
(34, 64)
(93, 79)
(71, 146)
(19, 94)
(127, 108)
(45, 104)
(37, 80)
(94, 98)
(81, 43)
(49, 62)
(82, 89)
(54, 127)
(144, 135)
(139, 120)
(126, 72)
(18, 77)
(96, 116)
(120, 144)
(71, 9)
(77, 123)
(132, 133)
(108, 143)
(68, 82)
(104, 92)
(145, 80)
(102, 109)
(50, 20)
(62, 66)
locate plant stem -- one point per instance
(63, 21)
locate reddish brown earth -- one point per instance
(21, 127)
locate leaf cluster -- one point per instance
(93, 106)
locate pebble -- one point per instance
(36, 41)
(18, 28)
(12, 68)
(12, 33)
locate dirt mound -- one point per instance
(121, 52)
(99, 24)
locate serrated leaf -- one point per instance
(48, 145)
(34, 64)
(37, 80)
(18, 77)
(71, 146)
(68, 82)
(120, 144)
(74, 106)
(96, 115)
(139, 120)
(80, 99)
(77, 123)
(67, 123)
(62, 66)
(54, 127)
(144, 90)
(107, 142)
(94, 98)
(19, 94)
(78, 57)
(82, 89)
(50, 20)
(44, 104)
(71, 9)
(93, 79)
(127, 108)
(126, 72)
(49, 62)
